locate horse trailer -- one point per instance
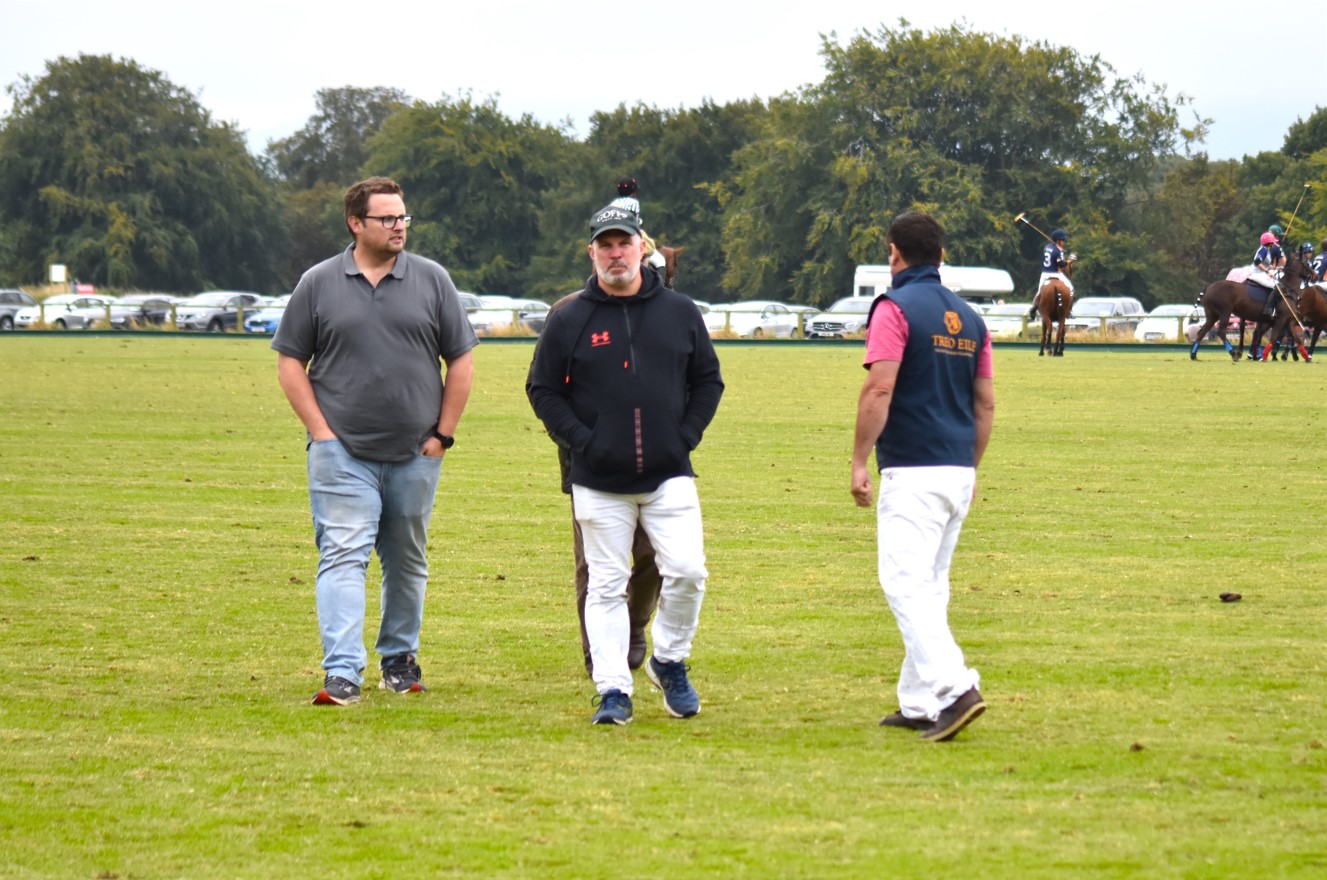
(977, 284)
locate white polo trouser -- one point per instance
(1258, 276)
(1047, 276)
(670, 516)
(919, 515)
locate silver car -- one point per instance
(215, 310)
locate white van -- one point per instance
(977, 284)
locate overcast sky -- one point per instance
(259, 64)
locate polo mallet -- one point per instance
(1307, 186)
(1023, 218)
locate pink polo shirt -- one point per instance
(887, 336)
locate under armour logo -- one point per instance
(598, 339)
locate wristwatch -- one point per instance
(447, 442)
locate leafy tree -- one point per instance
(475, 181)
(674, 155)
(111, 169)
(332, 147)
(971, 126)
(1307, 136)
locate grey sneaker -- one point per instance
(955, 717)
(680, 698)
(614, 707)
(337, 691)
(402, 674)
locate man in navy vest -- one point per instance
(926, 408)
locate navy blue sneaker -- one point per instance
(614, 708)
(680, 698)
(336, 691)
(402, 674)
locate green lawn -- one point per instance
(159, 641)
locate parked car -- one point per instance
(215, 310)
(754, 318)
(806, 313)
(848, 315)
(1005, 320)
(11, 300)
(266, 319)
(1162, 324)
(142, 310)
(1122, 314)
(503, 311)
(473, 306)
(65, 311)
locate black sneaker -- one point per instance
(680, 698)
(898, 719)
(614, 707)
(401, 674)
(337, 691)
(955, 717)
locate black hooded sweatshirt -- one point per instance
(627, 384)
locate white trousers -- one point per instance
(1047, 276)
(919, 515)
(670, 516)
(1258, 276)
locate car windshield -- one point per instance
(857, 305)
(209, 299)
(1093, 310)
(1170, 311)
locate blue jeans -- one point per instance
(359, 506)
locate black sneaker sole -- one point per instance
(898, 719)
(955, 725)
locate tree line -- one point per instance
(111, 169)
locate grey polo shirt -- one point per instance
(375, 353)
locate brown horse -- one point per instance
(1055, 301)
(670, 262)
(1313, 311)
(1224, 299)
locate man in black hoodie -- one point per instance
(627, 379)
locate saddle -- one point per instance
(1239, 273)
(1258, 293)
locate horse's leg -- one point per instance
(1045, 335)
(1202, 334)
(1059, 336)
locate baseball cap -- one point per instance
(613, 217)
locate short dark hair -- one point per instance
(919, 238)
(357, 197)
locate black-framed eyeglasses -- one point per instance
(389, 221)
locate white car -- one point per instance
(754, 319)
(848, 315)
(1163, 323)
(503, 312)
(1121, 313)
(1005, 320)
(65, 311)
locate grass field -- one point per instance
(159, 644)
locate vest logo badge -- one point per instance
(598, 339)
(952, 322)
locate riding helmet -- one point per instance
(1059, 235)
(1276, 230)
(1267, 238)
(1306, 247)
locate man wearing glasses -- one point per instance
(358, 352)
